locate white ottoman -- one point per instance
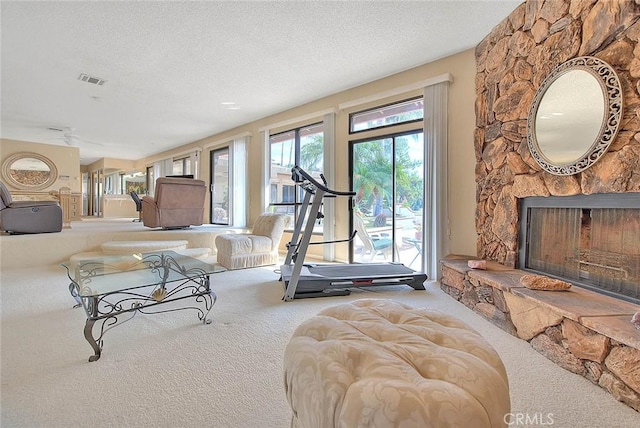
(380, 363)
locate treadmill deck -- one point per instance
(316, 278)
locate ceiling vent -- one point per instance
(91, 79)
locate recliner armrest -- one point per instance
(27, 204)
(150, 215)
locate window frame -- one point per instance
(381, 107)
(290, 207)
(185, 165)
(214, 184)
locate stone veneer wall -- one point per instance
(582, 331)
(512, 61)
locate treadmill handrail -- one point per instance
(297, 172)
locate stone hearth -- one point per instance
(582, 331)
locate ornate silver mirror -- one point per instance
(574, 116)
(29, 171)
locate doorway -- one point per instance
(387, 174)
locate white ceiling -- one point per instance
(171, 67)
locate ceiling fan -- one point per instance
(70, 137)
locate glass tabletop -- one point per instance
(109, 274)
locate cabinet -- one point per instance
(71, 204)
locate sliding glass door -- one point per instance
(387, 174)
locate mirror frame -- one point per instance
(6, 174)
(609, 82)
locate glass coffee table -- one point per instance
(113, 289)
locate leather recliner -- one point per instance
(28, 216)
(178, 203)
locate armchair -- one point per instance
(28, 216)
(178, 203)
(258, 248)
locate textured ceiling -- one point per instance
(172, 68)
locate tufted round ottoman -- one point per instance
(380, 363)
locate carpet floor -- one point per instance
(169, 370)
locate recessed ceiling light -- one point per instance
(227, 103)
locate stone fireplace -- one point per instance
(585, 332)
(592, 241)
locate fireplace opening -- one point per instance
(592, 241)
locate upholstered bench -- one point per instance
(258, 248)
(380, 363)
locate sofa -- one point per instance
(258, 248)
(17, 217)
(382, 363)
(178, 203)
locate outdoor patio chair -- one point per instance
(373, 245)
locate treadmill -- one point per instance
(303, 280)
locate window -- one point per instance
(122, 183)
(110, 183)
(229, 185)
(288, 193)
(134, 181)
(392, 114)
(151, 181)
(302, 146)
(220, 186)
(181, 166)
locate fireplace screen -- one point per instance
(598, 248)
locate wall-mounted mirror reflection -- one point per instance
(29, 171)
(562, 108)
(575, 116)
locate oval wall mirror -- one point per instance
(29, 171)
(575, 116)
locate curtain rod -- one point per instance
(447, 77)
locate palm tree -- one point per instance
(409, 184)
(312, 153)
(372, 172)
